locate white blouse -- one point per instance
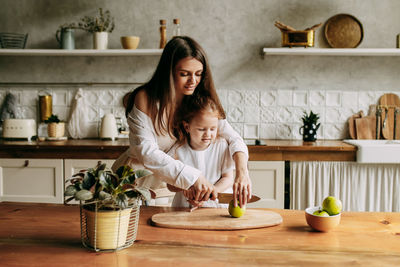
(213, 162)
(149, 149)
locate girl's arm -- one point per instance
(225, 182)
(240, 154)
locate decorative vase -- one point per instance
(55, 129)
(309, 132)
(100, 40)
(65, 38)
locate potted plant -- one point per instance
(55, 127)
(109, 204)
(310, 126)
(100, 26)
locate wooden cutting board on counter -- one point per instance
(366, 127)
(352, 124)
(388, 127)
(216, 219)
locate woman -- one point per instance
(183, 70)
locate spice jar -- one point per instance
(163, 33)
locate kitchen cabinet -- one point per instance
(32, 180)
(268, 179)
(301, 51)
(40, 180)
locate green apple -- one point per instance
(321, 213)
(236, 211)
(332, 205)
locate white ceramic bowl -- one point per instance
(319, 223)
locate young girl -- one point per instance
(199, 146)
(183, 70)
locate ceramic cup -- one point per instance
(130, 42)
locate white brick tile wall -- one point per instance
(265, 113)
(251, 131)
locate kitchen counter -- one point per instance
(288, 150)
(49, 235)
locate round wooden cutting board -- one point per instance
(216, 219)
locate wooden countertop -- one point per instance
(292, 150)
(49, 235)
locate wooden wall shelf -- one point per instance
(80, 52)
(311, 51)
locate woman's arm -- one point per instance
(240, 154)
(242, 184)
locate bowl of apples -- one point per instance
(326, 217)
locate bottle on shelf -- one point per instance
(177, 28)
(163, 33)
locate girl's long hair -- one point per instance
(190, 107)
(160, 89)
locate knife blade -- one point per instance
(227, 197)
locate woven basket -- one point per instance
(109, 230)
(13, 40)
(56, 129)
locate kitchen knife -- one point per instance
(227, 197)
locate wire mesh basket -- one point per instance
(108, 230)
(13, 40)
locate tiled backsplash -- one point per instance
(269, 114)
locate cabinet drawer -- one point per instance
(267, 179)
(31, 180)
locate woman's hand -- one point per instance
(242, 184)
(202, 190)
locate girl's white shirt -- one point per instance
(149, 150)
(213, 161)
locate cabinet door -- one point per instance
(73, 166)
(31, 180)
(267, 179)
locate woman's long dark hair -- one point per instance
(160, 89)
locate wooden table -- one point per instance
(49, 235)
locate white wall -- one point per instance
(232, 32)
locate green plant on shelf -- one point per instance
(53, 119)
(311, 119)
(101, 23)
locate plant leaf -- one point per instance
(83, 195)
(122, 200)
(104, 195)
(70, 191)
(88, 181)
(142, 173)
(144, 192)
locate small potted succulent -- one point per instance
(100, 26)
(55, 127)
(109, 203)
(310, 126)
